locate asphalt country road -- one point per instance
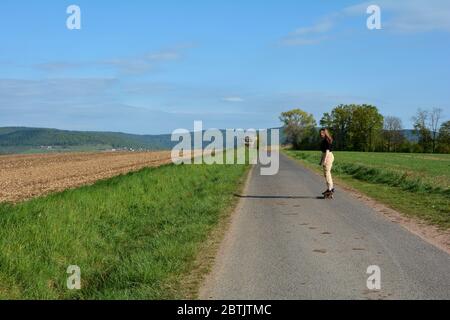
(285, 242)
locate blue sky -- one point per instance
(154, 66)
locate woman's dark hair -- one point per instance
(327, 135)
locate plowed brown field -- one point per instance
(26, 176)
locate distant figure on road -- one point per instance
(327, 159)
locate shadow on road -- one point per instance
(275, 197)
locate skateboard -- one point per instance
(328, 195)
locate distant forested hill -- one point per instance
(19, 139)
(410, 135)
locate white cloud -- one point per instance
(300, 41)
(56, 66)
(163, 56)
(399, 16)
(133, 65)
(54, 90)
(420, 16)
(321, 27)
(233, 99)
(312, 34)
(143, 63)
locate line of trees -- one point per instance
(364, 128)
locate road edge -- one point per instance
(223, 242)
(205, 261)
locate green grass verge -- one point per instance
(417, 185)
(134, 236)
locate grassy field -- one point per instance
(134, 236)
(415, 184)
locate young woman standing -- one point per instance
(326, 146)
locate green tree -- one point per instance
(366, 127)
(355, 127)
(338, 122)
(392, 134)
(421, 127)
(299, 127)
(435, 119)
(444, 138)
